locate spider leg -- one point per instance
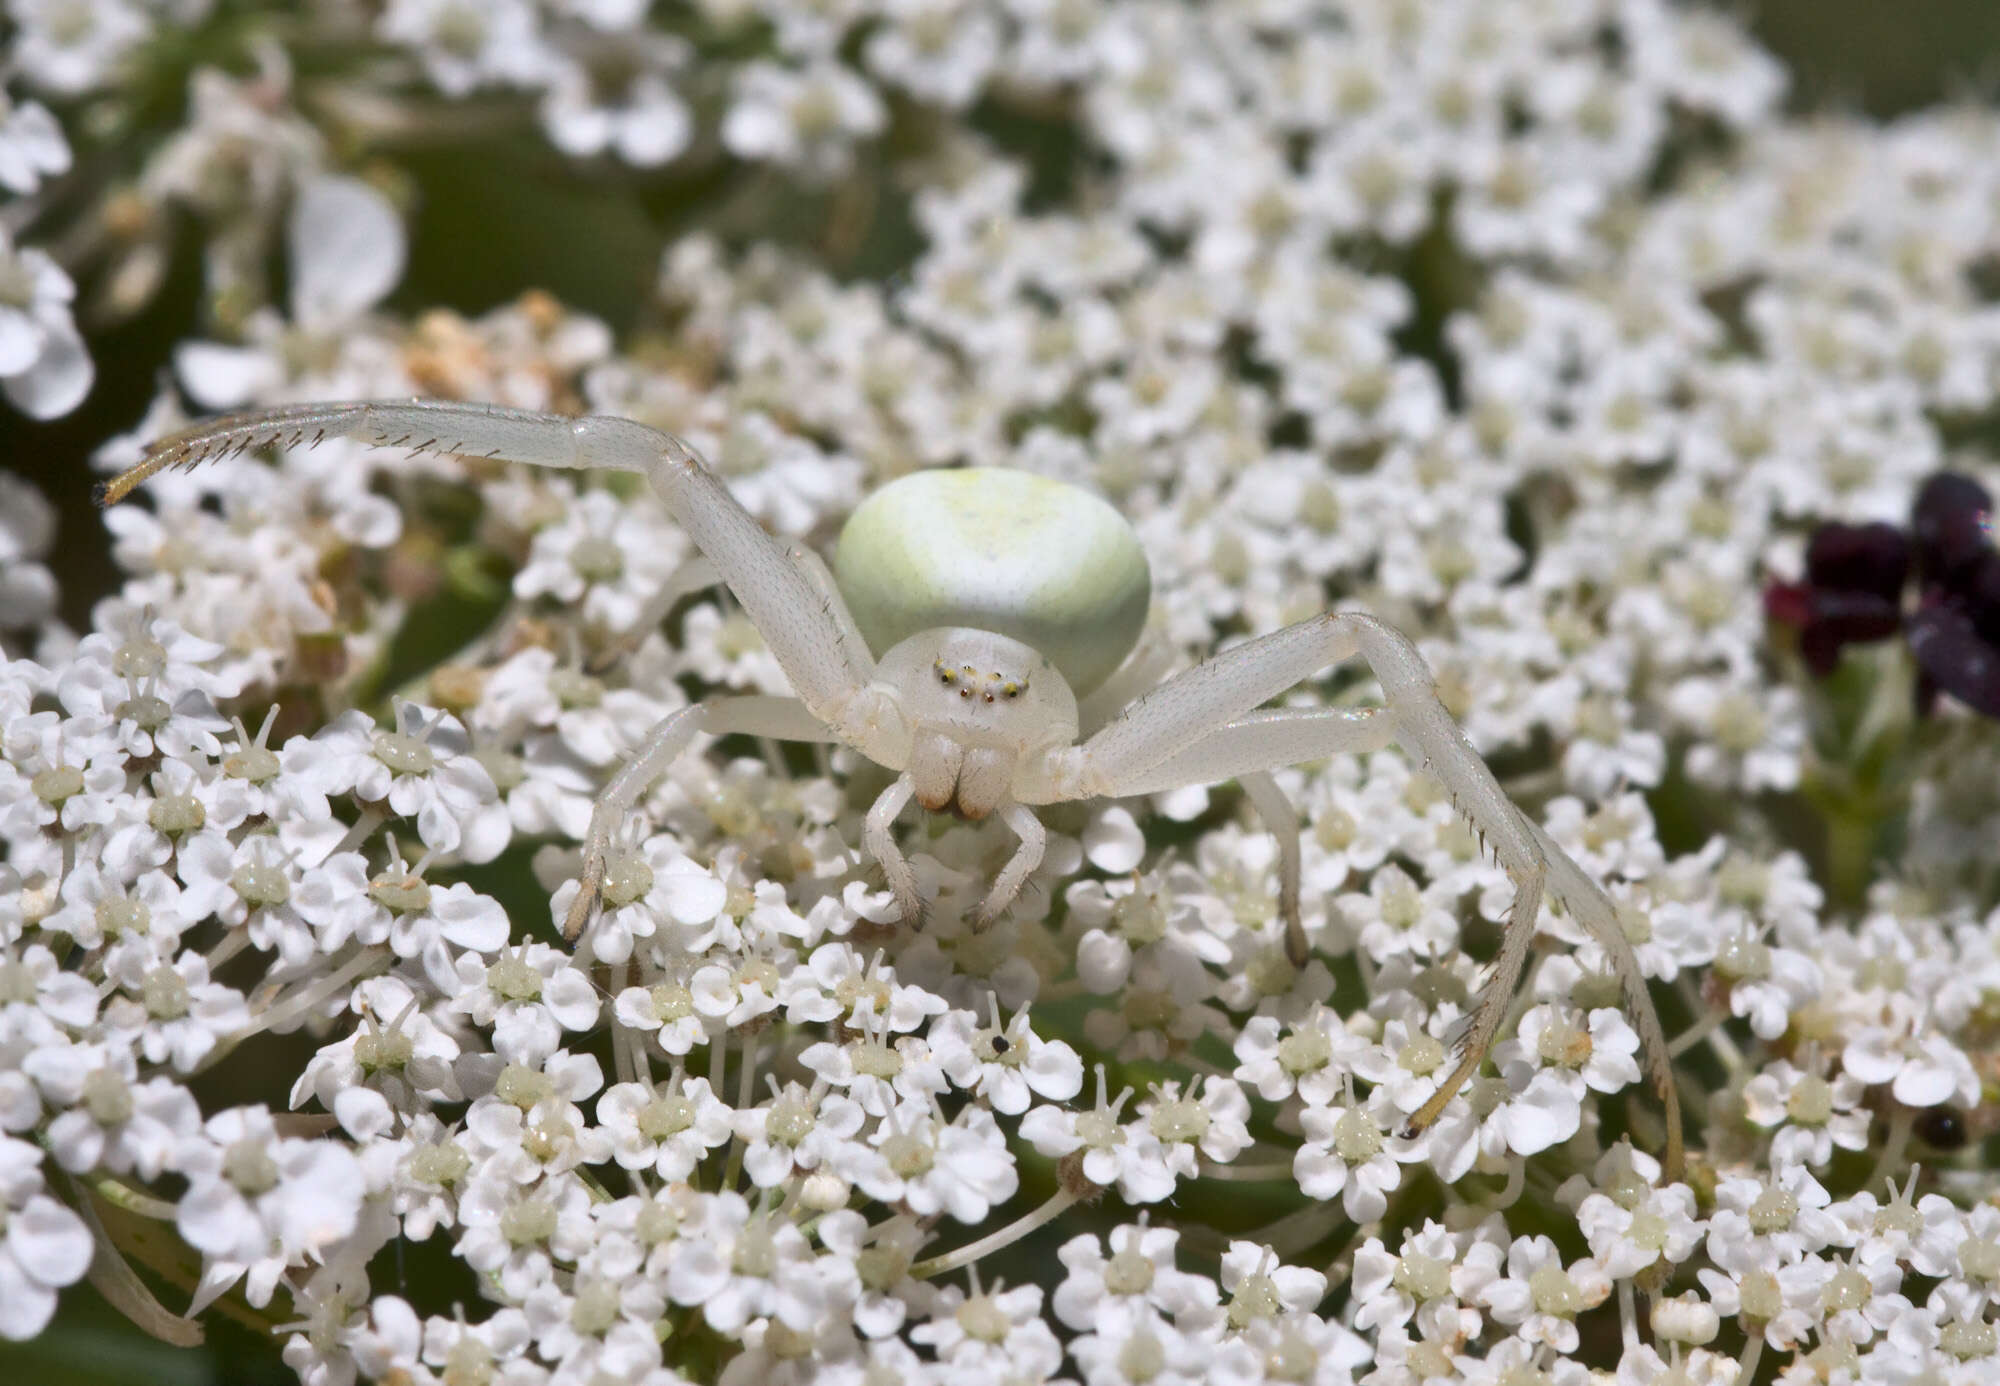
(1148, 748)
(1034, 839)
(786, 719)
(879, 840)
(1594, 910)
(796, 616)
(835, 605)
(1148, 663)
(1267, 739)
(1283, 820)
(1256, 743)
(691, 577)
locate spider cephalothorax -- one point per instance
(977, 635)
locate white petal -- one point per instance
(658, 136)
(486, 832)
(25, 1307)
(1113, 841)
(1103, 962)
(1530, 1127)
(225, 377)
(58, 380)
(50, 1241)
(347, 250)
(320, 1198)
(20, 341)
(213, 1218)
(1869, 1058)
(216, 1279)
(1183, 805)
(571, 999)
(363, 1113)
(70, 1000)
(1923, 1085)
(693, 899)
(469, 919)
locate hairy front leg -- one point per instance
(419, 425)
(1597, 913)
(806, 627)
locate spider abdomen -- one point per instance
(990, 548)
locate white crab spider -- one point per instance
(976, 636)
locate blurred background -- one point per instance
(502, 212)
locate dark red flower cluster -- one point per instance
(1854, 583)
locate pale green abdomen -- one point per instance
(995, 549)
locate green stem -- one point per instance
(1295, 1232)
(1746, 1369)
(1696, 1033)
(363, 963)
(1890, 1162)
(1006, 1236)
(363, 829)
(122, 1195)
(1276, 1171)
(232, 943)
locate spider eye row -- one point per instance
(949, 676)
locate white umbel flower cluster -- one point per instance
(1531, 325)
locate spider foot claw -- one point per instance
(913, 913)
(590, 887)
(1297, 947)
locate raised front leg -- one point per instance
(805, 626)
(1202, 725)
(1143, 669)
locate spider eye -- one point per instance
(1000, 1045)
